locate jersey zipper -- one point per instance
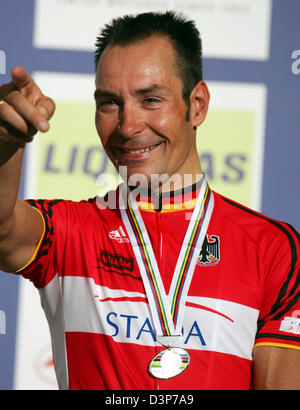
(160, 264)
(161, 248)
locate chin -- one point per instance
(136, 176)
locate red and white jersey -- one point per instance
(244, 293)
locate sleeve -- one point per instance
(279, 321)
(44, 263)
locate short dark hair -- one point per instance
(182, 33)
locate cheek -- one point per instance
(173, 126)
(162, 122)
(105, 126)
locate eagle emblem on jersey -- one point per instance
(210, 252)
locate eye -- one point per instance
(108, 102)
(107, 105)
(151, 102)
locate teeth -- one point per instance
(138, 151)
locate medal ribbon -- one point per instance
(189, 254)
(167, 312)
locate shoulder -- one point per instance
(75, 211)
(273, 238)
(250, 219)
(53, 209)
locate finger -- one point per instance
(23, 82)
(46, 107)
(27, 110)
(20, 77)
(5, 89)
(10, 116)
(10, 141)
(7, 132)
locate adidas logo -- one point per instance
(119, 235)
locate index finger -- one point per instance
(20, 77)
(46, 106)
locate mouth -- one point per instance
(135, 152)
(139, 150)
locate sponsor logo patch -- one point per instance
(290, 325)
(118, 235)
(116, 261)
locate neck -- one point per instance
(189, 174)
(163, 184)
(178, 182)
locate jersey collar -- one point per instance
(171, 201)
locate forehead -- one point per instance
(142, 63)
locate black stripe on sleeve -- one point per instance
(45, 207)
(277, 336)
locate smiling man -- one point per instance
(177, 287)
(141, 114)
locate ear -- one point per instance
(199, 101)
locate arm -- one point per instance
(23, 111)
(276, 368)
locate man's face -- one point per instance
(140, 111)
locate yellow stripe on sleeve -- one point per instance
(38, 245)
(288, 346)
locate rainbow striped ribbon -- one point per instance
(167, 311)
(188, 255)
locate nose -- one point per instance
(131, 121)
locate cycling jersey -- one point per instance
(244, 292)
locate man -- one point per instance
(173, 287)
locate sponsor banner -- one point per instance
(231, 28)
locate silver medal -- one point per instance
(169, 363)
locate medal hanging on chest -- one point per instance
(167, 310)
(169, 363)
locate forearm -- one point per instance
(24, 110)
(11, 158)
(276, 368)
(21, 226)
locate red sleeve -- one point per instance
(279, 321)
(45, 261)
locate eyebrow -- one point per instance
(151, 89)
(99, 93)
(102, 93)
